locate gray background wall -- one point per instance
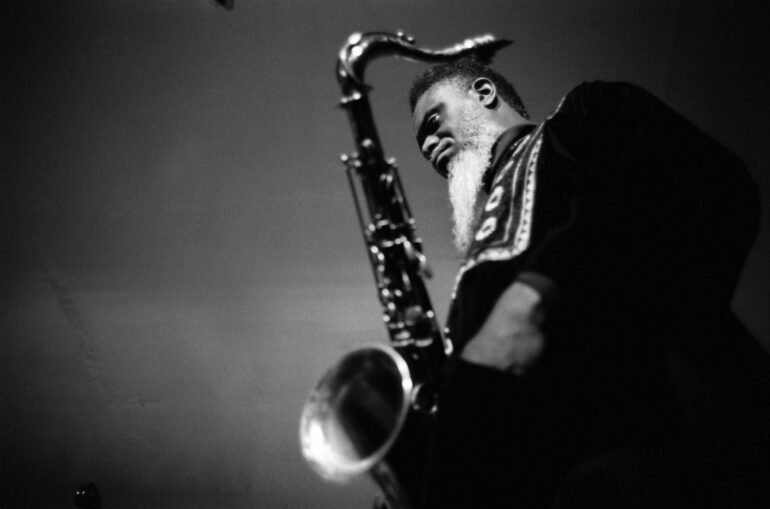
(180, 255)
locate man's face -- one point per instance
(441, 117)
(455, 137)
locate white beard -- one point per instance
(466, 173)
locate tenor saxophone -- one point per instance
(372, 411)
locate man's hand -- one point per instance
(511, 338)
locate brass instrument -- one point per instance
(372, 411)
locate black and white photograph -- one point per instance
(386, 254)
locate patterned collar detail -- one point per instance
(505, 222)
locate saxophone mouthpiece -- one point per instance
(486, 46)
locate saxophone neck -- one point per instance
(361, 48)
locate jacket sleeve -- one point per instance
(655, 203)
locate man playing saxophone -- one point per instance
(596, 246)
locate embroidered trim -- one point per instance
(525, 224)
(522, 199)
(522, 194)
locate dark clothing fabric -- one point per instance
(643, 222)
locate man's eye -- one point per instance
(433, 123)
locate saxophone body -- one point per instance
(372, 412)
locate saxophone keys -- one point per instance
(424, 399)
(405, 37)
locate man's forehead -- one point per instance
(443, 91)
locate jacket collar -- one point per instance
(505, 144)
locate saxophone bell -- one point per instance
(355, 413)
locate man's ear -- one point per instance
(485, 92)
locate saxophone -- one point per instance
(372, 411)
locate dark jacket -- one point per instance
(643, 222)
